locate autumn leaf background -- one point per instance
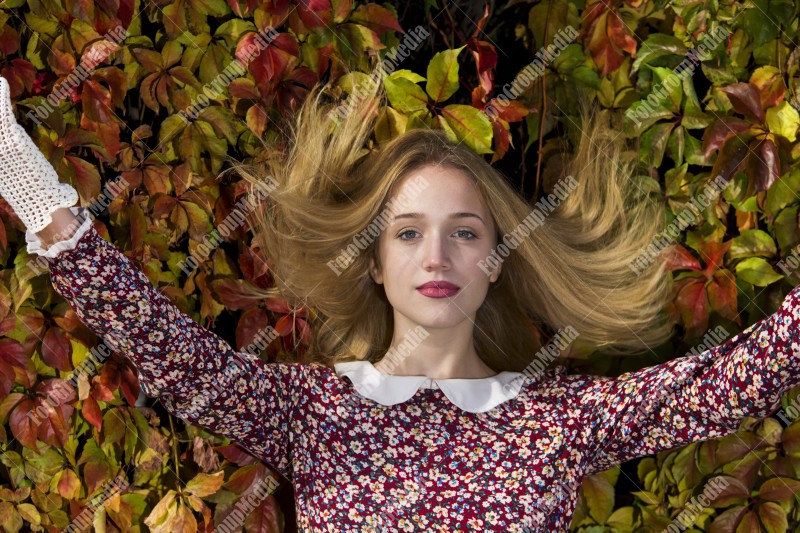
(735, 115)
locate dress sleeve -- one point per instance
(198, 376)
(694, 398)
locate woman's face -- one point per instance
(442, 231)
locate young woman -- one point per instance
(416, 408)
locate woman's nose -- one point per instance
(435, 253)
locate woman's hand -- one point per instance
(28, 182)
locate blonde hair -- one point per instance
(573, 270)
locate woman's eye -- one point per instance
(463, 233)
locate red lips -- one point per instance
(439, 285)
(438, 289)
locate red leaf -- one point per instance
(59, 391)
(96, 100)
(375, 17)
(9, 41)
(53, 428)
(95, 473)
(305, 331)
(56, 349)
(255, 269)
(100, 391)
(13, 353)
(107, 132)
(236, 455)
(608, 37)
(7, 377)
(91, 412)
(770, 90)
(763, 164)
(266, 518)
(243, 478)
(285, 325)
(722, 294)
(745, 100)
(278, 305)
(715, 135)
(129, 385)
(8, 403)
(110, 377)
(233, 294)
(22, 426)
(87, 177)
(315, 13)
(679, 258)
(713, 254)
(486, 61)
(269, 65)
(502, 139)
(512, 111)
(618, 33)
(731, 156)
(693, 306)
(251, 322)
(20, 74)
(62, 63)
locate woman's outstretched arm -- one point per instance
(198, 376)
(695, 398)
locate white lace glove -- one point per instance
(28, 182)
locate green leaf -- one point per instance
(405, 95)
(786, 231)
(599, 493)
(759, 26)
(172, 126)
(674, 91)
(641, 115)
(752, 242)
(233, 29)
(773, 516)
(407, 74)
(756, 271)
(471, 125)
(783, 192)
(654, 142)
(693, 115)
(658, 45)
(351, 80)
(783, 120)
(586, 76)
(443, 75)
(569, 59)
(676, 143)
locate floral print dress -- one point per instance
(423, 464)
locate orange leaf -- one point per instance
(91, 412)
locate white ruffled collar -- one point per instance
(473, 395)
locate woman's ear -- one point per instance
(375, 272)
(493, 277)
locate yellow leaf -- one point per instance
(159, 520)
(205, 484)
(783, 120)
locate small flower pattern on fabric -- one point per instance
(424, 464)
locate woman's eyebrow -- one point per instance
(460, 214)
